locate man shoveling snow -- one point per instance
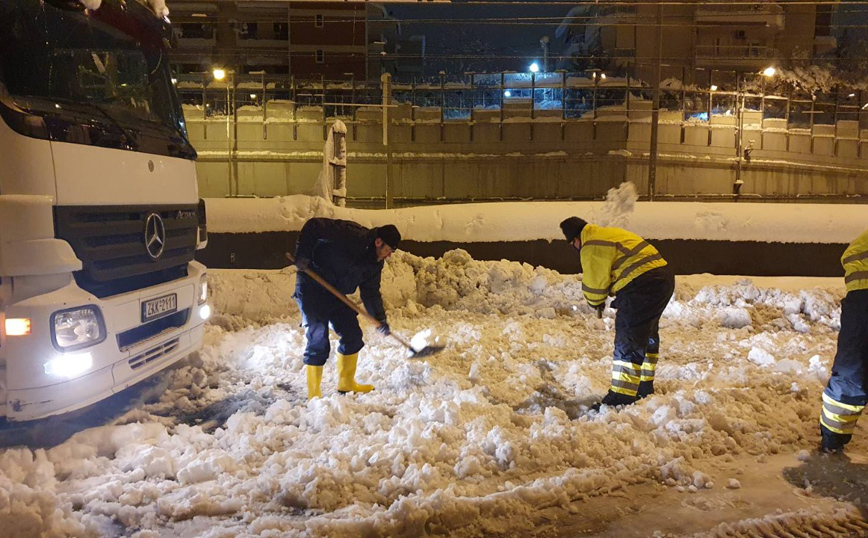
(618, 262)
(348, 256)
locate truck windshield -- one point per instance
(106, 67)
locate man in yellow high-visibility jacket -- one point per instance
(847, 391)
(620, 263)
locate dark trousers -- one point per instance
(640, 305)
(319, 309)
(848, 387)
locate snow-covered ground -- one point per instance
(491, 437)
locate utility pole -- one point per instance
(234, 155)
(739, 140)
(544, 42)
(655, 107)
(386, 83)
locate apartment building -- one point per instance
(336, 40)
(717, 35)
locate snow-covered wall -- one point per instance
(496, 156)
(528, 221)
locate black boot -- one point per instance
(614, 399)
(646, 388)
(833, 443)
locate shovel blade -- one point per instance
(426, 351)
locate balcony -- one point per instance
(824, 44)
(768, 14)
(188, 43)
(735, 57)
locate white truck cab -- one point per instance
(99, 210)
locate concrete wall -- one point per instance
(266, 251)
(526, 154)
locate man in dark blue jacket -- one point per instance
(347, 256)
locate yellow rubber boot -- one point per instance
(347, 375)
(314, 379)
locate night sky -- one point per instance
(474, 36)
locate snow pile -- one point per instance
(481, 439)
(619, 204)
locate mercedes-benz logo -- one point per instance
(155, 236)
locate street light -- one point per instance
(534, 68)
(742, 153)
(219, 74)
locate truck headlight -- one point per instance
(203, 289)
(77, 328)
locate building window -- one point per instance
(248, 30)
(318, 20)
(823, 26)
(190, 68)
(196, 30)
(320, 56)
(281, 31)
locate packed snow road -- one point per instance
(491, 437)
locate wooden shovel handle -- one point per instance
(322, 282)
(346, 300)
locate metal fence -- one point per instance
(698, 97)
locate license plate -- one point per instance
(159, 307)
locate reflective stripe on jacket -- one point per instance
(855, 262)
(611, 259)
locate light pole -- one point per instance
(386, 82)
(740, 97)
(739, 104)
(655, 107)
(220, 75)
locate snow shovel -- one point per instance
(416, 354)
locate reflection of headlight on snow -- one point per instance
(205, 311)
(69, 365)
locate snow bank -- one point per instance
(528, 221)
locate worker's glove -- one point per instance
(302, 264)
(599, 309)
(384, 329)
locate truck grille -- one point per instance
(153, 354)
(137, 335)
(110, 242)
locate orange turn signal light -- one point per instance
(17, 326)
